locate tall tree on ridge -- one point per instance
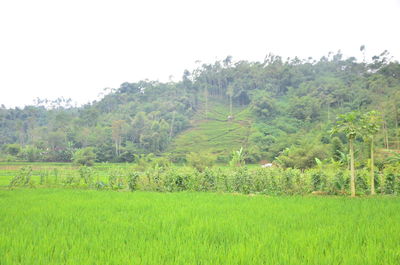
(229, 92)
(117, 134)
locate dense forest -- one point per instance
(292, 105)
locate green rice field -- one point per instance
(77, 226)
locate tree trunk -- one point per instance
(230, 105)
(329, 116)
(352, 170)
(172, 126)
(386, 139)
(372, 168)
(206, 98)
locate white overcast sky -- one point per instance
(75, 48)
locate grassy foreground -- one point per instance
(70, 226)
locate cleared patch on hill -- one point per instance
(215, 131)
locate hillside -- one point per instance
(217, 133)
(282, 110)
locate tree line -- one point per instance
(293, 101)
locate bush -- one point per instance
(243, 181)
(175, 181)
(200, 161)
(86, 174)
(327, 178)
(116, 179)
(13, 149)
(301, 157)
(391, 183)
(23, 178)
(31, 153)
(85, 157)
(132, 181)
(8, 158)
(208, 180)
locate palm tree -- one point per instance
(349, 124)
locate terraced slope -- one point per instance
(215, 133)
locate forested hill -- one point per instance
(275, 108)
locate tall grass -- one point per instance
(69, 226)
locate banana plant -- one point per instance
(237, 158)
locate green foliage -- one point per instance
(22, 178)
(391, 184)
(117, 179)
(301, 157)
(304, 108)
(394, 158)
(337, 149)
(132, 180)
(200, 161)
(265, 107)
(349, 124)
(144, 162)
(86, 174)
(85, 157)
(328, 177)
(12, 149)
(242, 181)
(237, 158)
(371, 122)
(217, 134)
(208, 180)
(31, 153)
(8, 158)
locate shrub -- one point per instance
(200, 161)
(174, 181)
(86, 174)
(116, 179)
(100, 185)
(13, 149)
(301, 157)
(22, 178)
(85, 157)
(208, 180)
(43, 177)
(243, 181)
(31, 153)
(391, 183)
(132, 181)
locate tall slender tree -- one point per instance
(349, 124)
(229, 92)
(371, 122)
(206, 100)
(117, 127)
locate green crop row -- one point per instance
(270, 181)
